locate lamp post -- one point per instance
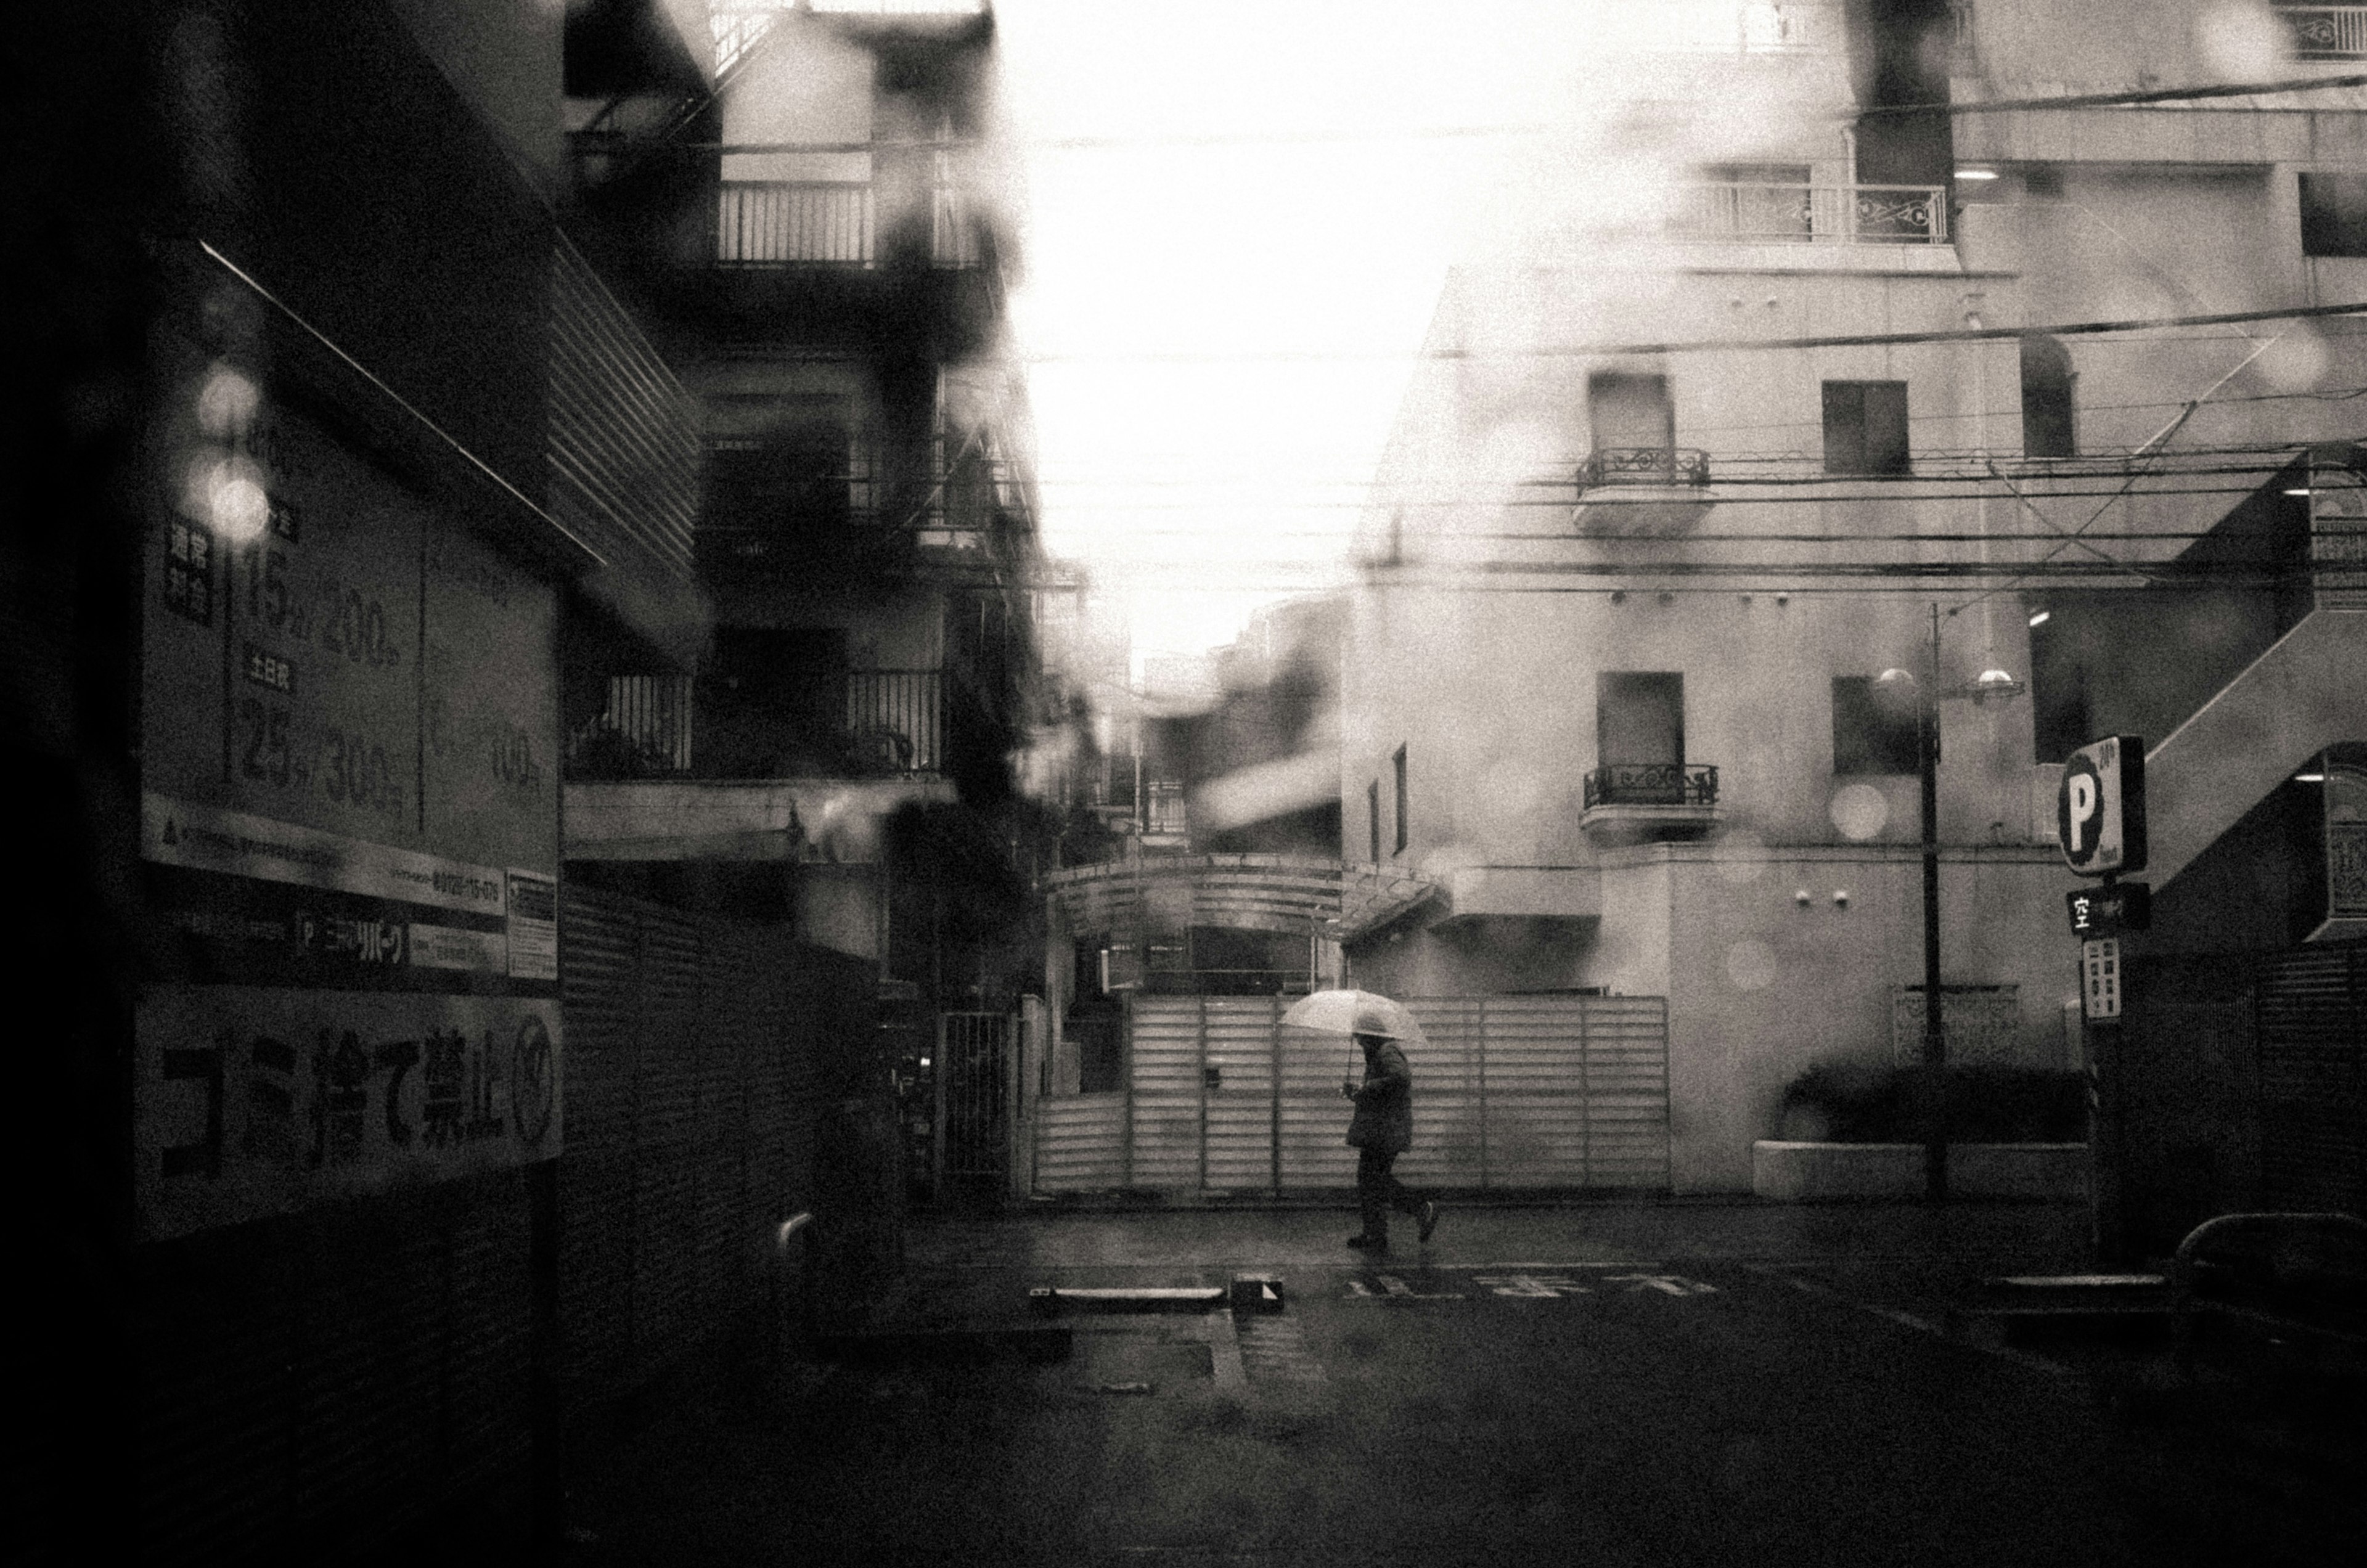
(1992, 684)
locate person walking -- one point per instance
(1382, 1129)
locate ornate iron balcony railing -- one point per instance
(1643, 465)
(1746, 213)
(1652, 784)
(2326, 32)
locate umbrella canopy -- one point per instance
(1356, 1012)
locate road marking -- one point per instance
(1910, 1320)
(1273, 1350)
(1395, 1289)
(1225, 1352)
(1667, 1284)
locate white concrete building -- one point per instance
(1610, 712)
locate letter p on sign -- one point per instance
(2099, 810)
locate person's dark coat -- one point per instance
(1383, 1117)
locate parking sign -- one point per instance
(2100, 810)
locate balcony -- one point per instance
(837, 224)
(861, 724)
(1656, 466)
(1626, 802)
(854, 502)
(1734, 212)
(2324, 32)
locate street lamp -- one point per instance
(1899, 685)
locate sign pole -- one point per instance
(2100, 819)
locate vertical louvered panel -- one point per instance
(489, 1321)
(1165, 1069)
(600, 983)
(218, 1387)
(1625, 1065)
(1239, 1136)
(1314, 1119)
(623, 438)
(369, 1337)
(1567, 1092)
(2311, 1017)
(1081, 1143)
(664, 1170)
(1536, 1091)
(1449, 1139)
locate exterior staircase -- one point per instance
(2306, 692)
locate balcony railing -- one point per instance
(881, 723)
(896, 719)
(784, 223)
(1643, 465)
(1738, 213)
(1729, 27)
(2324, 32)
(1652, 784)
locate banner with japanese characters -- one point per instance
(349, 823)
(260, 1101)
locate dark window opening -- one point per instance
(1865, 427)
(2043, 182)
(1372, 821)
(1629, 412)
(1397, 763)
(1873, 732)
(2334, 215)
(2049, 398)
(1639, 717)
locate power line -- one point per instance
(1723, 345)
(2116, 100)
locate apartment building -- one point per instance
(1771, 410)
(804, 203)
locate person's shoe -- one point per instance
(1369, 1243)
(1428, 1220)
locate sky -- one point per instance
(1263, 178)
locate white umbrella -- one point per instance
(1352, 1012)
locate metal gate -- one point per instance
(2240, 1080)
(1512, 1092)
(2311, 1012)
(973, 1110)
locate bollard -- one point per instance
(785, 1338)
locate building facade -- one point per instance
(1772, 409)
(381, 1149)
(805, 205)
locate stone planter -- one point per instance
(1796, 1173)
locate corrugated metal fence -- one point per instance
(349, 1368)
(1509, 1092)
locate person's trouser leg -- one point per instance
(1373, 1184)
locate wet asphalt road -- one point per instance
(1571, 1401)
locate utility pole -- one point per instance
(1935, 1040)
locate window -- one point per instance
(2048, 384)
(1629, 413)
(1639, 719)
(1865, 427)
(2334, 215)
(1396, 761)
(2043, 182)
(1373, 820)
(1872, 734)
